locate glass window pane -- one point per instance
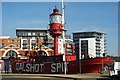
(29, 34)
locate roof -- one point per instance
(44, 29)
(88, 32)
(31, 29)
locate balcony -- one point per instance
(24, 47)
(98, 49)
(98, 46)
(97, 39)
(49, 41)
(24, 43)
(50, 45)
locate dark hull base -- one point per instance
(82, 66)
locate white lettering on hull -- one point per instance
(27, 67)
(58, 67)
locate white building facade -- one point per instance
(87, 46)
(68, 47)
(89, 43)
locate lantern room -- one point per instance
(55, 23)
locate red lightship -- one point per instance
(55, 64)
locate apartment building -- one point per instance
(31, 40)
(92, 43)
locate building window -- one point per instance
(3, 44)
(29, 41)
(18, 45)
(33, 34)
(12, 44)
(11, 53)
(12, 40)
(8, 40)
(18, 41)
(33, 37)
(50, 45)
(24, 47)
(41, 37)
(29, 34)
(69, 45)
(37, 41)
(44, 34)
(25, 34)
(33, 41)
(75, 35)
(44, 37)
(41, 34)
(24, 41)
(20, 34)
(20, 37)
(84, 46)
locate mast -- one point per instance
(63, 7)
(63, 23)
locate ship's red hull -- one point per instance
(94, 65)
